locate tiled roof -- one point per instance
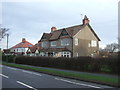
(70, 30)
(55, 35)
(24, 44)
(34, 48)
(46, 36)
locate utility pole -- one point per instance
(7, 39)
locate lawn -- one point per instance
(93, 78)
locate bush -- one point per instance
(8, 58)
(107, 65)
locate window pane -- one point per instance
(93, 43)
(44, 44)
(65, 42)
(53, 43)
(67, 55)
(76, 41)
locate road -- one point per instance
(18, 78)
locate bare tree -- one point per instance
(3, 32)
(111, 47)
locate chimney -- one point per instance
(23, 40)
(53, 29)
(85, 20)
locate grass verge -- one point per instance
(86, 77)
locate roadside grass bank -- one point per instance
(109, 65)
(78, 76)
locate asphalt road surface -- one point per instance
(18, 78)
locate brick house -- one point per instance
(75, 41)
(21, 48)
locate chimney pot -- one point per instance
(86, 20)
(53, 29)
(23, 40)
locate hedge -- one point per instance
(99, 65)
(8, 58)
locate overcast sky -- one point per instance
(30, 19)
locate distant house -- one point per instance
(75, 41)
(6, 51)
(21, 48)
(34, 50)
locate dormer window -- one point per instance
(64, 33)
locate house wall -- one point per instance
(19, 50)
(58, 44)
(84, 37)
(48, 44)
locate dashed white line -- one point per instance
(31, 73)
(77, 83)
(4, 75)
(11, 68)
(27, 71)
(26, 85)
(37, 74)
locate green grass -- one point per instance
(88, 77)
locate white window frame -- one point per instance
(65, 54)
(53, 43)
(76, 41)
(93, 43)
(42, 54)
(77, 54)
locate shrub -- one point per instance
(108, 65)
(8, 58)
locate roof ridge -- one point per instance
(69, 27)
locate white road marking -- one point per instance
(12, 68)
(31, 72)
(4, 75)
(77, 83)
(27, 71)
(26, 85)
(37, 74)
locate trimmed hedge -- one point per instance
(8, 58)
(107, 65)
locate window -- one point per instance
(44, 44)
(76, 41)
(53, 43)
(64, 33)
(29, 45)
(77, 55)
(65, 42)
(93, 43)
(65, 54)
(42, 53)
